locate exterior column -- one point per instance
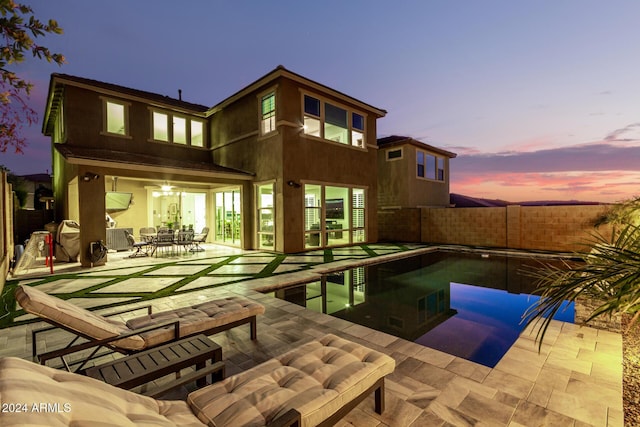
(91, 194)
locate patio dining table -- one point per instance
(169, 239)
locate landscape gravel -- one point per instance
(631, 373)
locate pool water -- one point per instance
(466, 304)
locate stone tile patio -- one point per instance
(575, 380)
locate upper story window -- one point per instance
(197, 134)
(394, 154)
(429, 166)
(332, 122)
(177, 129)
(160, 126)
(268, 113)
(115, 118)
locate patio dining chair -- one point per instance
(141, 247)
(136, 334)
(164, 240)
(184, 239)
(200, 238)
(148, 233)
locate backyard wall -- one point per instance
(6, 231)
(399, 225)
(548, 228)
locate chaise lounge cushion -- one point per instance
(73, 317)
(317, 379)
(70, 399)
(195, 319)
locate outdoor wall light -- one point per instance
(88, 176)
(293, 184)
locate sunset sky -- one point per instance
(540, 99)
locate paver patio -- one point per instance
(576, 379)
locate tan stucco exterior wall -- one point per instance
(399, 185)
(289, 155)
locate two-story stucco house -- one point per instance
(285, 164)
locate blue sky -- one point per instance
(540, 99)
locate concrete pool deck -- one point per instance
(575, 380)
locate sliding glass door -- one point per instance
(228, 217)
(333, 215)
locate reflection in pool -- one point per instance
(466, 304)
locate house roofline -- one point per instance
(146, 162)
(395, 140)
(281, 71)
(58, 81)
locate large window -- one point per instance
(358, 225)
(429, 166)
(179, 209)
(115, 118)
(266, 216)
(228, 218)
(177, 129)
(334, 123)
(160, 126)
(197, 136)
(312, 215)
(268, 113)
(333, 215)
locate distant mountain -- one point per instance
(461, 201)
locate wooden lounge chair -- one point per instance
(136, 334)
(314, 384)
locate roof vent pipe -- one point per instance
(180, 94)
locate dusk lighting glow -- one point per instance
(539, 99)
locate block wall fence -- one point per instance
(546, 228)
(6, 231)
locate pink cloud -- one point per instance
(609, 186)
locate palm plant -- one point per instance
(608, 275)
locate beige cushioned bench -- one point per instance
(208, 317)
(319, 382)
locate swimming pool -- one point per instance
(466, 304)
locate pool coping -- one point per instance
(315, 272)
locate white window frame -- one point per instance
(321, 118)
(171, 125)
(153, 125)
(271, 118)
(105, 117)
(187, 128)
(319, 211)
(202, 132)
(437, 157)
(260, 209)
